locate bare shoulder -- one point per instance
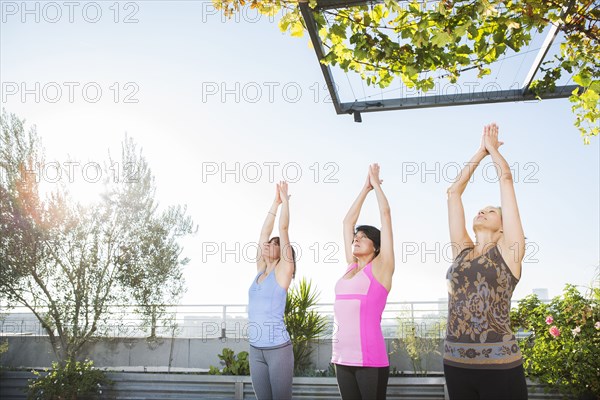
(512, 254)
(284, 273)
(383, 271)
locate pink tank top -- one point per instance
(359, 303)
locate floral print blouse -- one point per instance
(478, 331)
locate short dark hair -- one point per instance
(373, 234)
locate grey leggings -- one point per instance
(271, 370)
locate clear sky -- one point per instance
(224, 109)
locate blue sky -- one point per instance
(216, 96)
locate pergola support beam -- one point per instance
(500, 96)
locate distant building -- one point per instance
(541, 293)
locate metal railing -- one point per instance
(225, 320)
(220, 321)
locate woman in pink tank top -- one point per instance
(359, 351)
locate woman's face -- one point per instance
(488, 218)
(271, 249)
(362, 245)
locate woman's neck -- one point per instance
(363, 261)
(271, 264)
(486, 239)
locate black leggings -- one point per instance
(485, 384)
(362, 383)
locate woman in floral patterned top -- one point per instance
(481, 357)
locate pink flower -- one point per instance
(576, 331)
(597, 325)
(554, 331)
(549, 319)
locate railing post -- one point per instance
(224, 324)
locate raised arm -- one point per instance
(351, 218)
(512, 243)
(285, 270)
(266, 231)
(459, 237)
(386, 260)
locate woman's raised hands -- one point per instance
(489, 139)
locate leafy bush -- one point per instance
(419, 346)
(69, 381)
(234, 365)
(420, 341)
(302, 323)
(561, 346)
(3, 349)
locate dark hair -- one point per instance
(293, 254)
(294, 259)
(373, 234)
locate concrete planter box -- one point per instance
(172, 369)
(147, 386)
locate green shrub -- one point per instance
(419, 344)
(561, 346)
(234, 365)
(3, 349)
(69, 381)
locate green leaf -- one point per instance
(297, 29)
(499, 36)
(460, 30)
(441, 39)
(412, 71)
(414, 7)
(284, 23)
(420, 38)
(338, 30)
(483, 72)
(323, 33)
(590, 99)
(473, 32)
(360, 53)
(583, 78)
(378, 13)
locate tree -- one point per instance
(149, 256)
(68, 262)
(408, 39)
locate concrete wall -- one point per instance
(179, 353)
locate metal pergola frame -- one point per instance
(357, 107)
